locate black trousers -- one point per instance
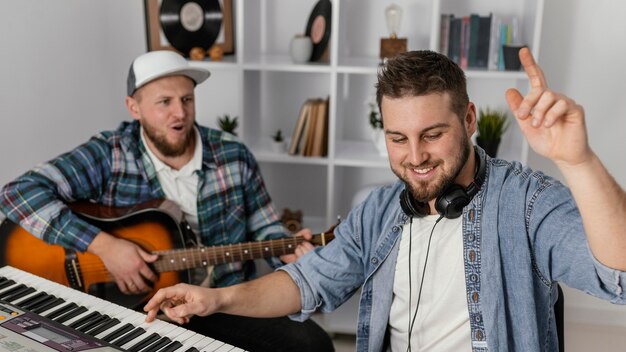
(263, 334)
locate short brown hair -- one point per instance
(423, 72)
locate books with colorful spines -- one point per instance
(444, 34)
(482, 48)
(465, 41)
(474, 26)
(320, 137)
(306, 147)
(454, 42)
(301, 126)
(494, 43)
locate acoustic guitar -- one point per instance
(156, 226)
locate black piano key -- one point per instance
(192, 349)
(94, 323)
(19, 294)
(107, 325)
(118, 332)
(85, 319)
(71, 314)
(33, 300)
(66, 308)
(47, 304)
(12, 290)
(6, 283)
(144, 342)
(128, 337)
(162, 342)
(172, 347)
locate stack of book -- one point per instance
(476, 41)
(310, 136)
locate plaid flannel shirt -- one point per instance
(113, 169)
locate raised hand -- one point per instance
(553, 124)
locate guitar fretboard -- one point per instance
(180, 259)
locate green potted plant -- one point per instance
(278, 140)
(378, 134)
(228, 124)
(492, 124)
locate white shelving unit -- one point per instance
(262, 86)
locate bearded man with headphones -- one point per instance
(464, 252)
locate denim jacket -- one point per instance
(522, 233)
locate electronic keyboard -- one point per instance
(40, 315)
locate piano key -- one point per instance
(6, 283)
(84, 319)
(118, 332)
(190, 342)
(158, 345)
(172, 347)
(143, 343)
(49, 305)
(60, 310)
(71, 314)
(214, 346)
(26, 291)
(125, 338)
(32, 300)
(107, 325)
(225, 348)
(12, 289)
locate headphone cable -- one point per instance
(419, 295)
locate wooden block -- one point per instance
(391, 47)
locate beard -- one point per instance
(425, 191)
(167, 149)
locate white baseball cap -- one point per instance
(157, 64)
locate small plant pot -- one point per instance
(279, 147)
(490, 146)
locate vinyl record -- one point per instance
(188, 23)
(318, 28)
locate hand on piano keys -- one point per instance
(117, 325)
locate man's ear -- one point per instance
(470, 119)
(133, 107)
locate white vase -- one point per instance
(378, 137)
(279, 147)
(300, 49)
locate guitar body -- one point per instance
(147, 226)
(155, 226)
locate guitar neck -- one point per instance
(181, 259)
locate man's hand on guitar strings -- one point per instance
(126, 261)
(301, 249)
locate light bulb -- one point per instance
(393, 15)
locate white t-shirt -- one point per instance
(442, 321)
(181, 186)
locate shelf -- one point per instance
(282, 63)
(359, 154)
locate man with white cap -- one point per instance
(164, 153)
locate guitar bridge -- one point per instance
(72, 270)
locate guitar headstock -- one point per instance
(323, 238)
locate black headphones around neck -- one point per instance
(451, 201)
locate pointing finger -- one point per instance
(533, 71)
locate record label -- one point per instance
(191, 16)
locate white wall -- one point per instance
(63, 67)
